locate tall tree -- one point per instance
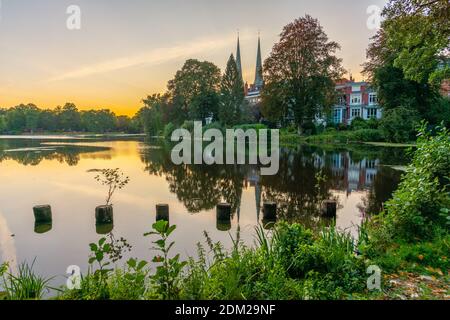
(301, 71)
(193, 88)
(232, 94)
(69, 117)
(152, 114)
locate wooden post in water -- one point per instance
(41, 228)
(269, 214)
(223, 216)
(42, 214)
(162, 212)
(270, 211)
(329, 209)
(104, 219)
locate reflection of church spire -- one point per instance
(259, 70)
(238, 211)
(238, 58)
(258, 192)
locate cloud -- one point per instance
(153, 57)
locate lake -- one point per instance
(55, 171)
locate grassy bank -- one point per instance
(409, 243)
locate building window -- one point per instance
(337, 115)
(373, 99)
(342, 101)
(370, 164)
(355, 99)
(372, 113)
(356, 113)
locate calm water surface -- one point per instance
(55, 171)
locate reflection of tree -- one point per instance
(384, 184)
(198, 187)
(296, 188)
(29, 152)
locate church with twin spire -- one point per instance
(252, 91)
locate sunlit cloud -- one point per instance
(151, 58)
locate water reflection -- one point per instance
(34, 172)
(307, 177)
(33, 152)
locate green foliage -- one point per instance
(399, 125)
(333, 136)
(407, 58)
(167, 276)
(98, 121)
(194, 91)
(29, 118)
(415, 211)
(150, 117)
(129, 283)
(246, 127)
(168, 130)
(232, 95)
(360, 123)
(417, 257)
(25, 284)
(300, 73)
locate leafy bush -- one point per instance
(365, 135)
(415, 211)
(399, 125)
(329, 256)
(359, 123)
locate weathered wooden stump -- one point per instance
(270, 211)
(42, 214)
(223, 225)
(42, 228)
(104, 215)
(104, 228)
(223, 211)
(329, 209)
(162, 212)
(223, 216)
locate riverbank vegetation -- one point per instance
(409, 241)
(31, 119)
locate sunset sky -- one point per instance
(126, 50)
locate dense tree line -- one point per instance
(29, 118)
(198, 92)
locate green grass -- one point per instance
(391, 145)
(25, 285)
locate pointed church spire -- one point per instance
(238, 58)
(259, 70)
